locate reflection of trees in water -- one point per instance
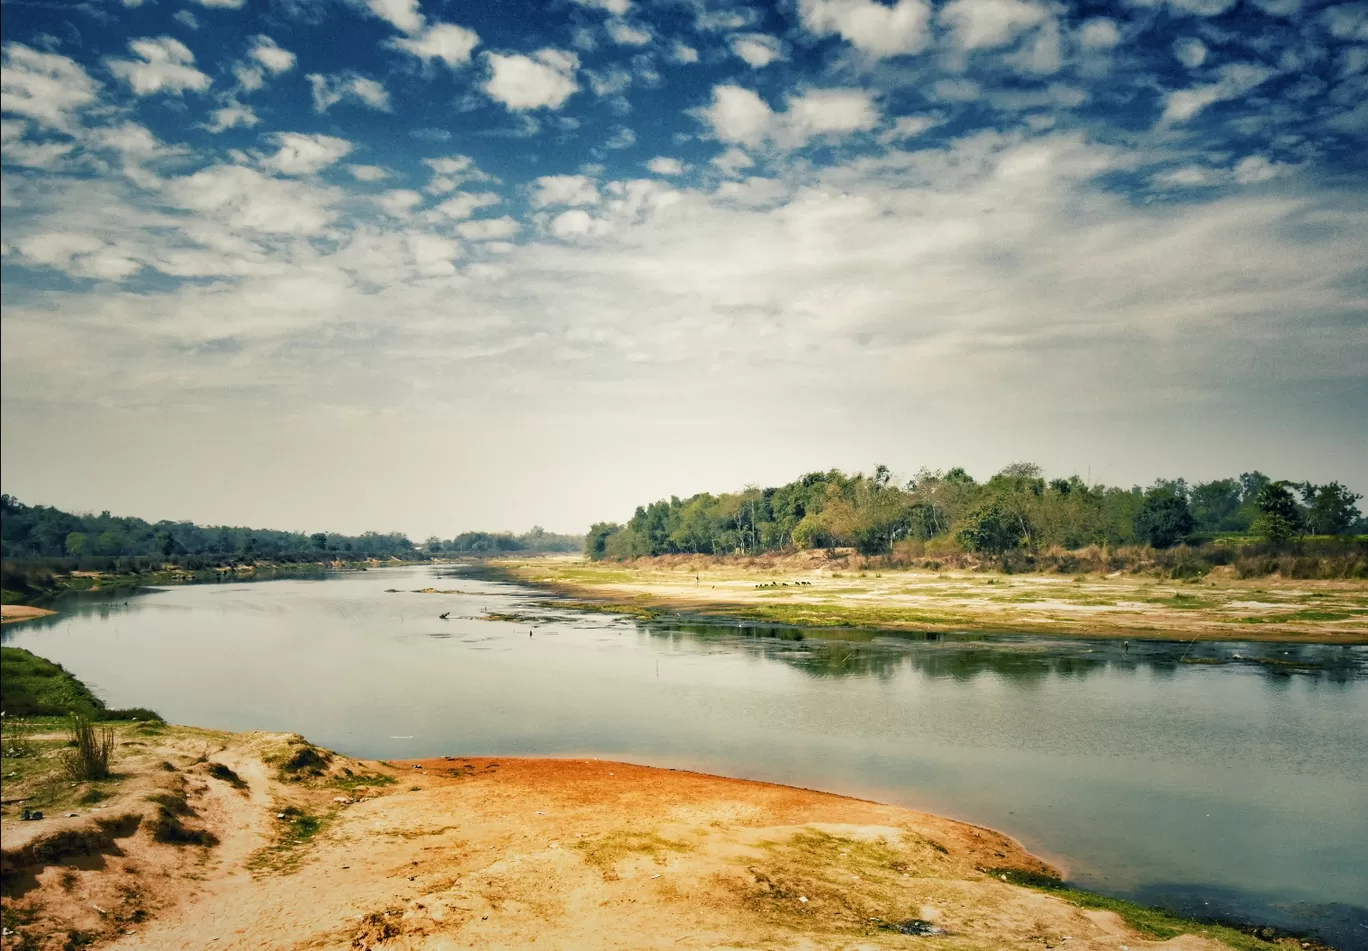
(1020, 662)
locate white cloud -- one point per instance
(447, 42)
(908, 127)
(300, 154)
(872, 27)
(1190, 51)
(706, 20)
(1279, 8)
(626, 34)
(218, 4)
(1347, 21)
(990, 24)
(757, 49)
(399, 202)
(574, 223)
(433, 254)
(683, 53)
(740, 116)
(1202, 8)
(453, 166)
(18, 150)
(186, 19)
(828, 112)
(164, 64)
(368, 173)
(609, 82)
(543, 80)
(564, 190)
(250, 78)
(401, 14)
(328, 91)
(48, 88)
(464, 204)
(230, 117)
(79, 255)
(623, 138)
(664, 165)
(272, 57)
(1099, 33)
(732, 161)
(1253, 169)
(244, 198)
(1234, 81)
(486, 229)
(615, 7)
(737, 115)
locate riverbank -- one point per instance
(11, 613)
(820, 589)
(264, 841)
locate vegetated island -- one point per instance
(48, 552)
(1247, 558)
(161, 836)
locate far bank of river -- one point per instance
(1224, 787)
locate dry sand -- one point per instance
(10, 613)
(519, 853)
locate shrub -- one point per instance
(94, 748)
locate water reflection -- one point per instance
(1021, 661)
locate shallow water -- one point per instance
(1227, 780)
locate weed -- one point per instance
(222, 772)
(94, 748)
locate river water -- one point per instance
(1222, 780)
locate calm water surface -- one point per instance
(1225, 780)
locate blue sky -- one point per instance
(522, 262)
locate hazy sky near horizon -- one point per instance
(351, 264)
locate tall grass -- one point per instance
(93, 749)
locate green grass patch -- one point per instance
(351, 781)
(1155, 923)
(295, 830)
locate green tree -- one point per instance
(994, 527)
(77, 544)
(1331, 508)
(1164, 520)
(1279, 520)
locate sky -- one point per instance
(382, 264)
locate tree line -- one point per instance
(108, 542)
(1016, 509)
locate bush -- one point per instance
(94, 748)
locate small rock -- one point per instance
(916, 926)
(803, 899)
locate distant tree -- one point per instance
(77, 544)
(994, 527)
(1216, 505)
(1279, 520)
(596, 542)
(164, 544)
(1164, 519)
(320, 540)
(1331, 508)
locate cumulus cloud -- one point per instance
(328, 91)
(543, 80)
(615, 7)
(244, 198)
(231, 116)
(300, 154)
(874, 28)
(738, 115)
(446, 42)
(401, 14)
(551, 190)
(1233, 81)
(1190, 51)
(683, 53)
(218, 4)
(1347, 21)
(164, 64)
(664, 165)
(464, 204)
(990, 24)
(78, 255)
(1099, 33)
(46, 87)
(488, 229)
(273, 58)
(757, 49)
(399, 202)
(368, 173)
(187, 19)
(627, 34)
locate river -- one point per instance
(1226, 780)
